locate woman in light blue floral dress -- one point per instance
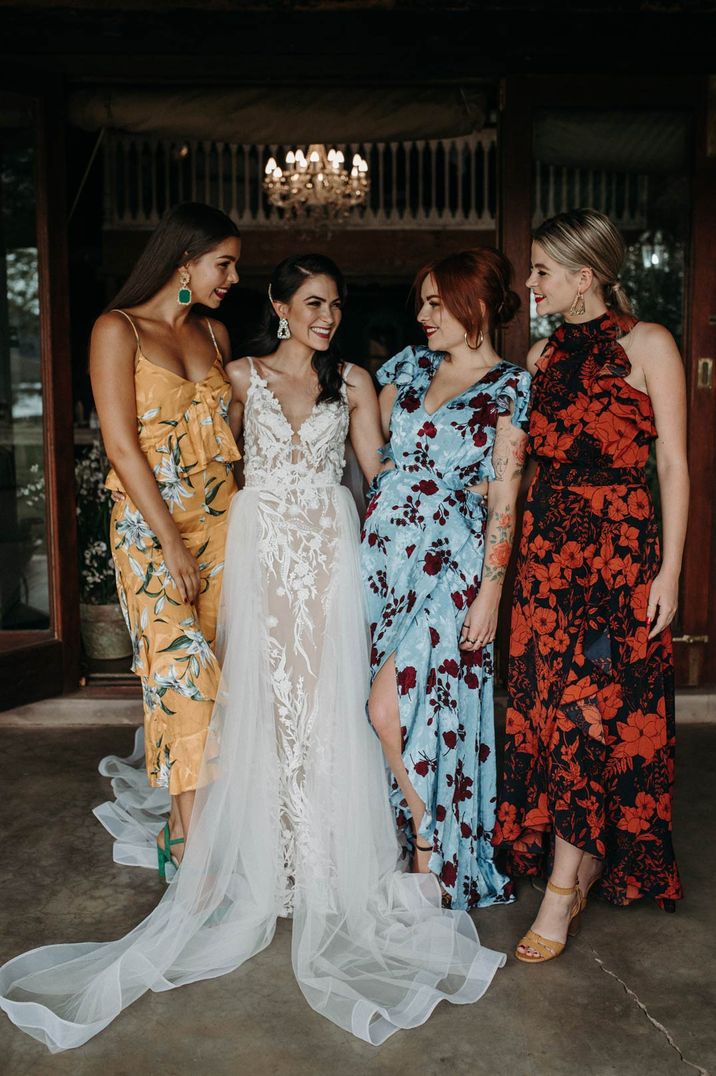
(436, 544)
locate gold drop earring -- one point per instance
(184, 293)
(578, 306)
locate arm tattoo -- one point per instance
(500, 533)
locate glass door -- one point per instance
(38, 562)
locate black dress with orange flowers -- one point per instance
(590, 723)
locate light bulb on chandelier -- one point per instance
(317, 185)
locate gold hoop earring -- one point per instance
(578, 307)
(478, 345)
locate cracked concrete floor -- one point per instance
(656, 979)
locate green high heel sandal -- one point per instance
(164, 855)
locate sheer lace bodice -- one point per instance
(278, 458)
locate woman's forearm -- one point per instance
(141, 486)
(674, 490)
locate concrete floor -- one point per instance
(633, 979)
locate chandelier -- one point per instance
(317, 185)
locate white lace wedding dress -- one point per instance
(292, 816)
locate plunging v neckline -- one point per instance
(296, 435)
(457, 396)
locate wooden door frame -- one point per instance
(38, 664)
(520, 97)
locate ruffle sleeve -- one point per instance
(404, 367)
(514, 398)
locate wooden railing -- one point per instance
(448, 183)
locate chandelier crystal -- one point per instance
(317, 184)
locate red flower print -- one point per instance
(450, 739)
(407, 679)
(433, 563)
(449, 873)
(427, 486)
(434, 636)
(409, 550)
(410, 402)
(484, 752)
(440, 813)
(451, 667)
(427, 430)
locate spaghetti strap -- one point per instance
(213, 337)
(252, 368)
(347, 367)
(131, 322)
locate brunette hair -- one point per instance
(286, 279)
(469, 279)
(184, 234)
(586, 237)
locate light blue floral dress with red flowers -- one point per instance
(422, 557)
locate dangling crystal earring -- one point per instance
(184, 293)
(577, 308)
(284, 333)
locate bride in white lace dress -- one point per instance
(292, 815)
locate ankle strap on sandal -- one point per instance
(563, 891)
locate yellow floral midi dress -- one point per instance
(184, 433)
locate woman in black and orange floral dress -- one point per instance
(590, 726)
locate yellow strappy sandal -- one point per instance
(547, 948)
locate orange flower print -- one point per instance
(589, 747)
(571, 555)
(663, 807)
(643, 734)
(637, 819)
(539, 547)
(544, 621)
(639, 504)
(610, 700)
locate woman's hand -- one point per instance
(663, 600)
(118, 496)
(183, 568)
(480, 626)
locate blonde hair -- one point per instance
(586, 237)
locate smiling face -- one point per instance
(313, 312)
(553, 286)
(443, 330)
(214, 273)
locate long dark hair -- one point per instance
(286, 279)
(185, 233)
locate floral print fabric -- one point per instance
(422, 554)
(590, 723)
(184, 433)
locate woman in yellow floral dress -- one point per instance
(162, 398)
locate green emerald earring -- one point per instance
(184, 294)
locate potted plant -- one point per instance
(104, 632)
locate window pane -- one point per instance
(24, 594)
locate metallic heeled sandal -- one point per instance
(547, 948)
